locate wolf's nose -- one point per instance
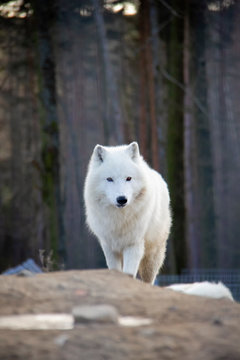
(121, 200)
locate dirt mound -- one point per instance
(179, 326)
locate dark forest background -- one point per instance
(80, 72)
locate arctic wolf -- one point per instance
(127, 208)
(204, 288)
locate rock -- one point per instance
(37, 322)
(134, 321)
(95, 313)
(182, 326)
(217, 322)
(25, 273)
(61, 339)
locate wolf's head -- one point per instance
(118, 174)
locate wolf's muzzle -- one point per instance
(121, 201)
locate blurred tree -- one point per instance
(148, 84)
(175, 171)
(113, 107)
(45, 17)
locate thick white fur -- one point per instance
(133, 238)
(205, 288)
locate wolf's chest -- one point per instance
(121, 231)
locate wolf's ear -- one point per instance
(99, 153)
(133, 150)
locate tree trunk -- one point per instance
(114, 111)
(147, 81)
(175, 138)
(45, 12)
(189, 144)
(143, 127)
(151, 89)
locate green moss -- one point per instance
(6, 196)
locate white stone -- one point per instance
(37, 322)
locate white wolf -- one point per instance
(127, 208)
(204, 288)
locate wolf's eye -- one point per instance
(110, 179)
(128, 178)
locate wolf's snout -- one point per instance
(121, 201)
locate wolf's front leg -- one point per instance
(113, 259)
(132, 256)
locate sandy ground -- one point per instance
(183, 326)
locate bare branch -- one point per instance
(181, 86)
(170, 8)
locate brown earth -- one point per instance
(184, 327)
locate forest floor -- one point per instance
(181, 326)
